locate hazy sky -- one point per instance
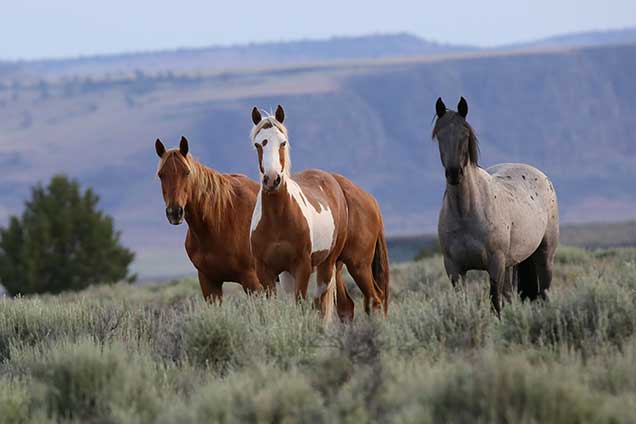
(43, 28)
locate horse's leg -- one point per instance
(527, 279)
(497, 272)
(212, 289)
(325, 295)
(509, 283)
(363, 276)
(250, 283)
(266, 278)
(344, 303)
(452, 271)
(301, 273)
(543, 259)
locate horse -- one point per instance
(365, 252)
(312, 221)
(504, 219)
(217, 208)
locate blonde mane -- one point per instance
(211, 190)
(270, 121)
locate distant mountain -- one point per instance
(587, 39)
(571, 113)
(244, 56)
(197, 61)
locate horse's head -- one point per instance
(457, 141)
(269, 136)
(174, 172)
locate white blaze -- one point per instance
(271, 149)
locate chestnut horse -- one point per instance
(504, 219)
(314, 220)
(217, 208)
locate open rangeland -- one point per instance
(161, 354)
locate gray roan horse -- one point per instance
(504, 219)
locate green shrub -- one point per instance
(15, 402)
(61, 242)
(451, 321)
(86, 382)
(583, 319)
(254, 395)
(508, 390)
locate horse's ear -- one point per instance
(183, 146)
(462, 107)
(159, 147)
(280, 114)
(256, 116)
(440, 107)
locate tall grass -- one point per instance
(160, 354)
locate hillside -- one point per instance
(241, 56)
(587, 38)
(281, 54)
(571, 113)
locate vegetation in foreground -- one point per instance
(159, 354)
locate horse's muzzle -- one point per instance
(454, 175)
(271, 184)
(174, 215)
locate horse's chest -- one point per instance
(466, 251)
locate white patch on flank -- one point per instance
(320, 222)
(257, 213)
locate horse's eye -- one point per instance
(187, 173)
(283, 144)
(257, 145)
(264, 142)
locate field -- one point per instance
(159, 354)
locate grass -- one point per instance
(160, 354)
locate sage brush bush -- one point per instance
(161, 354)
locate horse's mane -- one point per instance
(473, 142)
(210, 189)
(270, 121)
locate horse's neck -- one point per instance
(466, 197)
(198, 204)
(277, 202)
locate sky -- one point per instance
(66, 28)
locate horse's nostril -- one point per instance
(277, 181)
(265, 179)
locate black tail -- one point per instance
(527, 281)
(380, 268)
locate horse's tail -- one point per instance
(380, 268)
(527, 281)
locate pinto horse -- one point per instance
(504, 219)
(315, 220)
(217, 208)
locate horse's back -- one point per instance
(320, 187)
(529, 198)
(243, 182)
(526, 183)
(365, 218)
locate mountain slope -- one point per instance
(243, 56)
